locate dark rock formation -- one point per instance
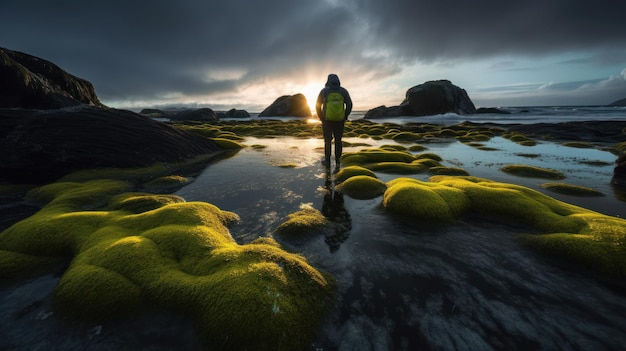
(203, 115)
(493, 110)
(152, 112)
(39, 146)
(233, 113)
(431, 98)
(621, 102)
(288, 105)
(384, 111)
(619, 175)
(31, 82)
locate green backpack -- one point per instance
(335, 108)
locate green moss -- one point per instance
(452, 171)
(352, 171)
(519, 139)
(302, 222)
(142, 202)
(228, 144)
(430, 156)
(393, 147)
(132, 249)
(406, 137)
(399, 167)
(424, 200)
(532, 172)
(375, 155)
(140, 174)
(570, 189)
(417, 148)
(362, 187)
(167, 183)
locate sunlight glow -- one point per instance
(310, 91)
(313, 120)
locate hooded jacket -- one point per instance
(332, 85)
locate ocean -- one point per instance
(516, 115)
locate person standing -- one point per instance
(333, 106)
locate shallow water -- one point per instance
(406, 286)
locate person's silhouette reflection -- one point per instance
(334, 210)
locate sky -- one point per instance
(244, 54)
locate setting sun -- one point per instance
(310, 91)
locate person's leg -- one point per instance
(328, 138)
(338, 134)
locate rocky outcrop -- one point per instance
(430, 98)
(233, 113)
(39, 146)
(492, 110)
(31, 82)
(619, 174)
(621, 102)
(202, 115)
(288, 105)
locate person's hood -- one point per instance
(333, 81)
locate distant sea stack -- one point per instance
(288, 105)
(31, 82)
(430, 98)
(621, 102)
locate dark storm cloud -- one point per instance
(448, 28)
(132, 49)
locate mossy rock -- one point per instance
(417, 148)
(430, 156)
(142, 202)
(228, 144)
(362, 187)
(424, 200)
(177, 255)
(370, 156)
(166, 183)
(588, 238)
(569, 189)
(352, 171)
(398, 167)
(407, 137)
(452, 171)
(301, 223)
(532, 172)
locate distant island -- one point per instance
(621, 102)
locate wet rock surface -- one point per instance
(32, 82)
(39, 146)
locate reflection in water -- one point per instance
(333, 208)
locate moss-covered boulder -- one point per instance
(533, 172)
(588, 238)
(352, 171)
(130, 250)
(362, 187)
(570, 189)
(424, 200)
(302, 223)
